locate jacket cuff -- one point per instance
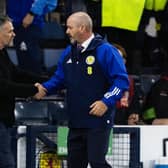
(31, 13)
(107, 102)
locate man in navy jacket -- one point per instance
(95, 79)
(28, 20)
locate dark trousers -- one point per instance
(28, 49)
(6, 156)
(88, 146)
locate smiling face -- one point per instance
(6, 34)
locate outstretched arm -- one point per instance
(41, 91)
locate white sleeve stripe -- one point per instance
(115, 91)
(118, 92)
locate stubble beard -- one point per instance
(72, 41)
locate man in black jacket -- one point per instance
(13, 83)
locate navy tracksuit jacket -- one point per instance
(98, 73)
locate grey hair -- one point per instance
(3, 19)
(83, 18)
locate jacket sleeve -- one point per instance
(41, 7)
(20, 75)
(9, 88)
(113, 66)
(57, 80)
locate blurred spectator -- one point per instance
(94, 10)
(156, 104)
(162, 26)
(78, 5)
(2, 6)
(28, 20)
(128, 106)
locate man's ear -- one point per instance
(82, 28)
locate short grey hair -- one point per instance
(3, 19)
(83, 18)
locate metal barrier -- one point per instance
(125, 146)
(39, 138)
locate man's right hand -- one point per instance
(133, 119)
(41, 91)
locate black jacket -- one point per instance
(157, 99)
(13, 83)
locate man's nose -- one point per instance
(13, 34)
(67, 31)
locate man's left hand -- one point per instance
(98, 108)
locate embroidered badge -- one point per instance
(90, 60)
(89, 70)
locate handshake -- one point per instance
(41, 91)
